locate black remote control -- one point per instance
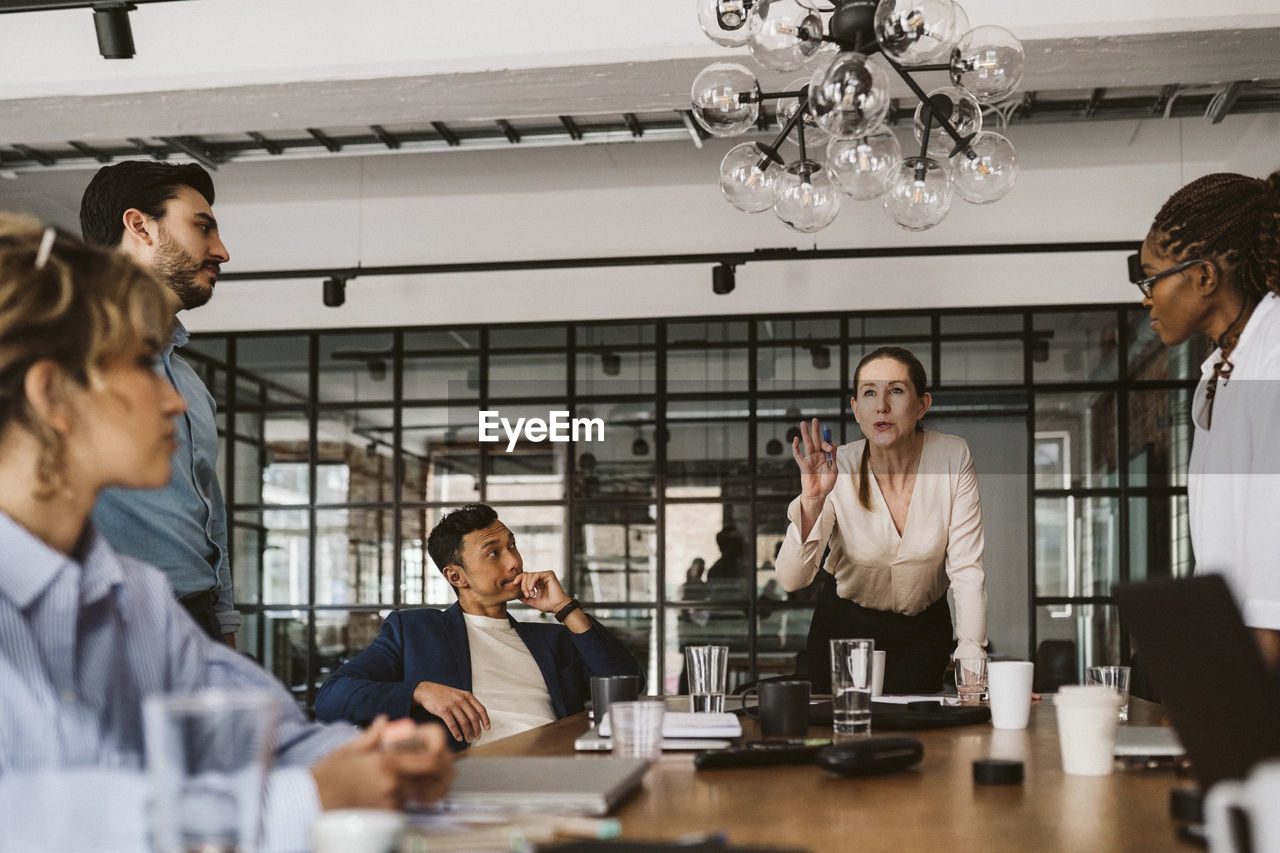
(762, 754)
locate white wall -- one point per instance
(1098, 181)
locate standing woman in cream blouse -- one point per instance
(901, 515)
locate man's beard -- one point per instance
(177, 270)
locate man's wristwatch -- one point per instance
(563, 613)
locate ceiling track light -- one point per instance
(723, 279)
(115, 36)
(335, 291)
(844, 102)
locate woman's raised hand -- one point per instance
(817, 469)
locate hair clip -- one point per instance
(46, 247)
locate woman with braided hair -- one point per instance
(1211, 265)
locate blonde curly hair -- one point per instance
(76, 305)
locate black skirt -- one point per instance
(917, 648)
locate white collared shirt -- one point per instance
(1233, 480)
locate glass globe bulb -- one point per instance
(919, 194)
(966, 117)
(813, 133)
(919, 31)
(989, 63)
(851, 96)
(717, 104)
(990, 174)
(805, 199)
(784, 35)
(724, 21)
(862, 167)
(744, 184)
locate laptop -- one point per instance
(549, 785)
(1202, 659)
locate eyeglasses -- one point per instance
(1147, 282)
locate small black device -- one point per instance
(871, 757)
(762, 754)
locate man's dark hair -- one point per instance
(444, 543)
(145, 184)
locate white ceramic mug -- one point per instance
(1255, 799)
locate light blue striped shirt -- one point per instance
(180, 529)
(82, 643)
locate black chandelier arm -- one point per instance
(770, 152)
(962, 143)
(769, 96)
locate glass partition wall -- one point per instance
(649, 464)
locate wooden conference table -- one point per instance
(934, 806)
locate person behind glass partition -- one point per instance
(87, 634)
(900, 512)
(1210, 265)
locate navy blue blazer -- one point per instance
(423, 644)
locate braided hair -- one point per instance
(1234, 219)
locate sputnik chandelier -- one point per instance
(845, 103)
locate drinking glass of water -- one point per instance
(707, 667)
(851, 665)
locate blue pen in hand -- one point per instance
(826, 436)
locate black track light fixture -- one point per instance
(611, 363)
(335, 291)
(821, 356)
(723, 279)
(115, 36)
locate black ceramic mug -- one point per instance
(612, 688)
(783, 709)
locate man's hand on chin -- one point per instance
(542, 591)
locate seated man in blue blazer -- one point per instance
(472, 666)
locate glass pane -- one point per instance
(356, 367)
(355, 452)
(710, 535)
(284, 652)
(981, 362)
(614, 372)
(615, 554)
(1077, 546)
(249, 635)
(1070, 637)
(953, 324)
(531, 469)
(1159, 539)
(1081, 346)
(273, 367)
(520, 337)
(770, 529)
(1160, 434)
(709, 370)
(540, 536)
(615, 335)
(528, 375)
(634, 628)
(786, 329)
(440, 457)
(707, 453)
(246, 535)
(286, 478)
(246, 481)
(776, 471)
(695, 332)
(457, 340)
(705, 626)
(791, 410)
(782, 635)
(420, 580)
(1150, 359)
(441, 377)
(788, 368)
(286, 561)
(920, 349)
(623, 465)
(876, 327)
(340, 636)
(1076, 440)
(354, 556)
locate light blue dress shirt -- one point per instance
(182, 528)
(83, 640)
